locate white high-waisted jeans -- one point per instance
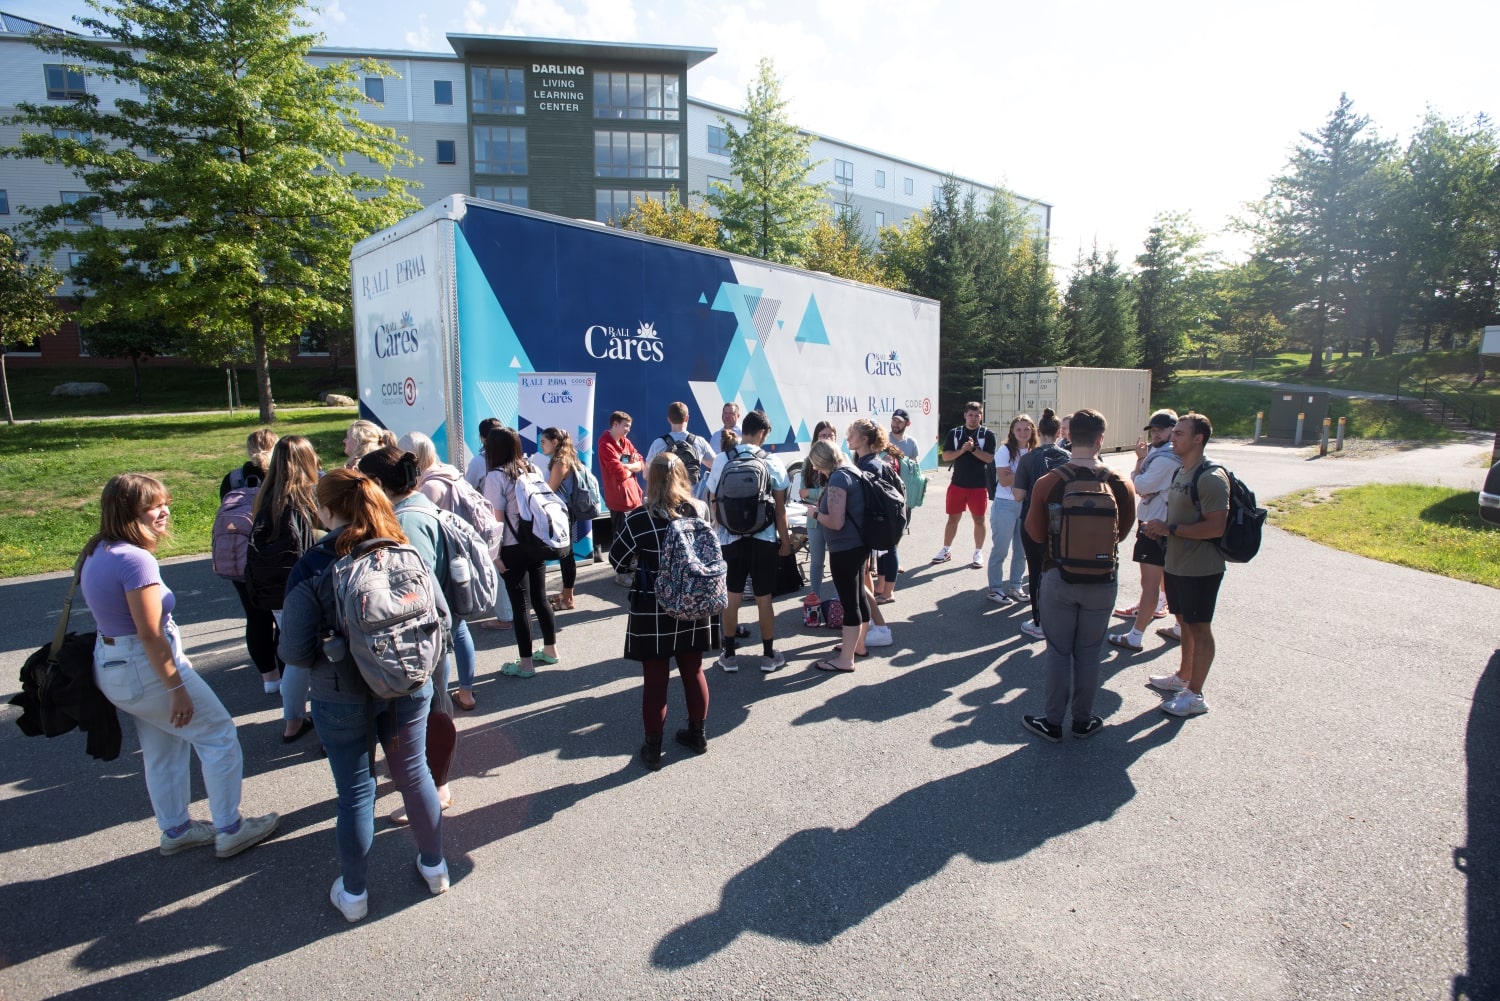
(123, 673)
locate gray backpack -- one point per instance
(472, 585)
(391, 614)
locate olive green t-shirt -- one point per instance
(1195, 557)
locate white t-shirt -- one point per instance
(699, 444)
(1002, 492)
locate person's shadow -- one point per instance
(821, 881)
(1479, 860)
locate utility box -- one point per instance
(1122, 395)
(1281, 419)
(1489, 343)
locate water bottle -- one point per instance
(335, 648)
(459, 571)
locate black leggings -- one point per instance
(535, 579)
(260, 633)
(569, 566)
(1036, 552)
(848, 572)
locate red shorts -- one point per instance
(971, 499)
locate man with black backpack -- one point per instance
(1081, 510)
(696, 454)
(747, 492)
(1197, 511)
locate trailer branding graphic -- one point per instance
(563, 397)
(882, 364)
(399, 338)
(399, 392)
(620, 344)
(376, 284)
(411, 268)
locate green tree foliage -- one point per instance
(28, 308)
(838, 249)
(769, 214)
(1171, 293)
(1317, 212)
(226, 169)
(1099, 314)
(671, 220)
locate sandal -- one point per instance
(1172, 632)
(559, 604)
(828, 665)
(839, 648)
(884, 599)
(1123, 640)
(458, 700)
(513, 670)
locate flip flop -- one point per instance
(884, 600)
(830, 666)
(496, 624)
(858, 653)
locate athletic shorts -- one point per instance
(971, 499)
(1148, 550)
(756, 559)
(1192, 599)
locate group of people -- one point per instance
(306, 519)
(1177, 505)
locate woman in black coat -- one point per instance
(651, 636)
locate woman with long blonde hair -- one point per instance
(356, 510)
(139, 665)
(364, 437)
(652, 636)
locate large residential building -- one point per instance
(575, 128)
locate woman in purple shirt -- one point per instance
(140, 667)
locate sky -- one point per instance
(1112, 112)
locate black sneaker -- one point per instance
(1083, 731)
(1039, 726)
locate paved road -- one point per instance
(1295, 387)
(889, 834)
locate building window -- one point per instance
(637, 154)
(63, 82)
(843, 171)
(72, 198)
(727, 182)
(375, 88)
(442, 92)
(447, 151)
(499, 150)
(73, 134)
(4, 202)
(648, 96)
(74, 258)
(879, 219)
(937, 193)
(718, 141)
(502, 194)
(879, 178)
(911, 186)
(610, 205)
(498, 90)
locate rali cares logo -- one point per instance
(564, 397)
(399, 338)
(620, 344)
(879, 364)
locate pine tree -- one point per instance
(228, 173)
(1170, 289)
(769, 214)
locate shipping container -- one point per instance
(1122, 395)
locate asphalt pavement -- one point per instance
(1329, 829)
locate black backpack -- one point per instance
(885, 508)
(685, 451)
(269, 561)
(743, 501)
(1242, 531)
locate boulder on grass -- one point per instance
(338, 400)
(80, 389)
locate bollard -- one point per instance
(1298, 440)
(1339, 447)
(1259, 416)
(1323, 441)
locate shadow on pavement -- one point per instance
(1479, 860)
(821, 882)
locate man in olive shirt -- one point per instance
(1195, 567)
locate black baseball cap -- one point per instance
(1162, 420)
(901, 414)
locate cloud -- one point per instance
(422, 37)
(596, 20)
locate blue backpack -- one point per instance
(691, 570)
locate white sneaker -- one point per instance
(879, 636)
(200, 833)
(978, 561)
(999, 597)
(943, 556)
(253, 830)
(1014, 593)
(351, 907)
(1168, 682)
(437, 876)
(272, 687)
(1185, 703)
(729, 665)
(1033, 630)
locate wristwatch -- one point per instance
(1171, 529)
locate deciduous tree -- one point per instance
(670, 219)
(28, 308)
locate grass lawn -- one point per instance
(1232, 409)
(164, 389)
(51, 475)
(1436, 529)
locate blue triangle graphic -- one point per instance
(702, 299)
(802, 434)
(812, 330)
